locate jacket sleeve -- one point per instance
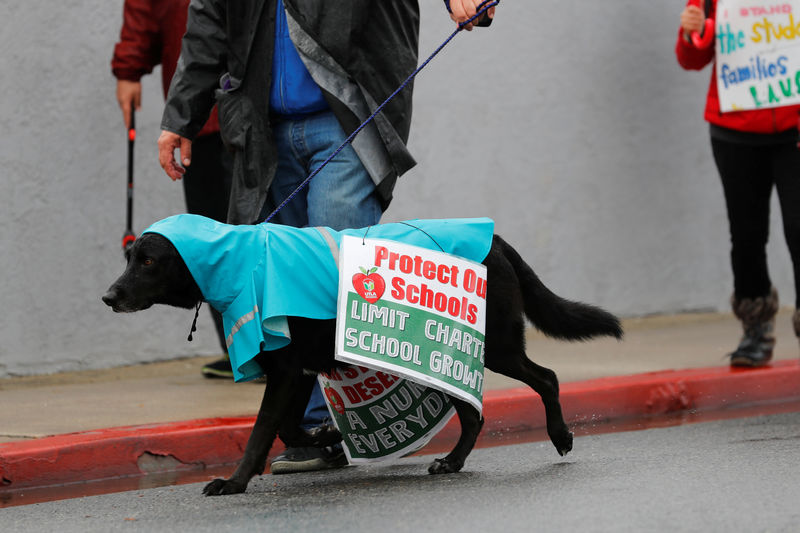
(690, 57)
(201, 63)
(138, 49)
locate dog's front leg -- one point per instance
(277, 397)
(291, 432)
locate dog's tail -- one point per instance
(552, 315)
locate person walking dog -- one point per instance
(293, 79)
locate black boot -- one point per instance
(758, 321)
(796, 322)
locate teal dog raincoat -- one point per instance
(257, 275)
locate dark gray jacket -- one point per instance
(358, 51)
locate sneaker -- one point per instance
(218, 369)
(295, 460)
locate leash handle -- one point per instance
(483, 7)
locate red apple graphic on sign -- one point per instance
(334, 399)
(368, 284)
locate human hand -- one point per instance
(692, 20)
(168, 142)
(129, 96)
(462, 10)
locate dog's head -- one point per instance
(155, 274)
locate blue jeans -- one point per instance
(342, 195)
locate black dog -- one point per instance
(156, 274)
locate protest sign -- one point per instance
(413, 312)
(411, 321)
(382, 416)
(757, 54)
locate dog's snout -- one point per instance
(111, 297)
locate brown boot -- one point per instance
(758, 322)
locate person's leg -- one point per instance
(207, 182)
(342, 195)
(207, 190)
(293, 168)
(747, 184)
(746, 176)
(786, 165)
(290, 173)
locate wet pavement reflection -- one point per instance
(28, 496)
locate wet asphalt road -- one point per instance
(733, 475)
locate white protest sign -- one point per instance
(757, 54)
(413, 312)
(409, 312)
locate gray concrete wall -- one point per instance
(569, 123)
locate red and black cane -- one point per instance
(704, 39)
(129, 237)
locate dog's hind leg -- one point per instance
(471, 424)
(277, 397)
(505, 342)
(545, 383)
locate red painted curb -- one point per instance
(117, 452)
(123, 451)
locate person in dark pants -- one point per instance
(151, 35)
(755, 151)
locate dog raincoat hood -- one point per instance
(257, 275)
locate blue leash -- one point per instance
(482, 8)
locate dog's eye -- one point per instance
(148, 261)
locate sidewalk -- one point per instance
(665, 363)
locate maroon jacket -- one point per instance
(151, 34)
(772, 120)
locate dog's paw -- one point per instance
(563, 443)
(223, 486)
(444, 466)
